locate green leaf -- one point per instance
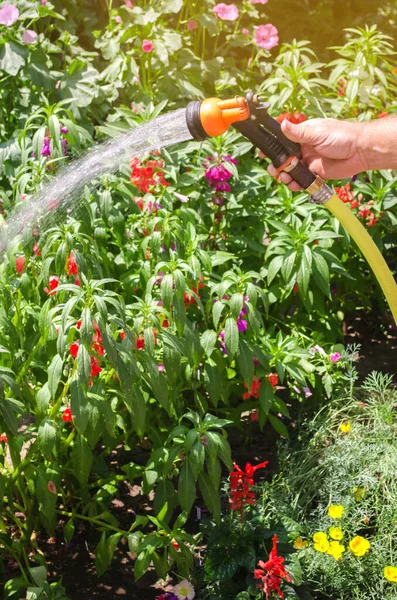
(266, 396)
(12, 57)
(321, 273)
(68, 530)
(104, 552)
(83, 365)
(186, 487)
(303, 274)
(236, 304)
(78, 404)
(246, 362)
(171, 6)
(82, 459)
(208, 341)
(54, 374)
(231, 336)
(38, 574)
(279, 426)
(43, 399)
(211, 495)
(86, 326)
(167, 290)
(46, 437)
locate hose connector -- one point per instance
(213, 116)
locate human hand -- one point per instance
(330, 148)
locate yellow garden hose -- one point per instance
(370, 250)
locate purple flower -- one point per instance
(173, 247)
(64, 144)
(335, 357)
(64, 130)
(296, 389)
(8, 15)
(307, 392)
(204, 440)
(216, 174)
(241, 324)
(161, 368)
(46, 150)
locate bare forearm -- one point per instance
(377, 144)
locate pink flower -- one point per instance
(147, 46)
(128, 3)
(118, 19)
(307, 392)
(266, 36)
(226, 12)
(245, 31)
(161, 368)
(58, 84)
(335, 357)
(29, 37)
(8, 15)
(52, 487)
(258, 1)
(242, 324)
(192, 25)
(181, 197)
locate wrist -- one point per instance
(376, 144)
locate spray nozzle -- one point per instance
(213, 116)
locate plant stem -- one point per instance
(93, 520)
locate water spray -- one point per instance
(250, 116)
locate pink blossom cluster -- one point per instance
(218, 175)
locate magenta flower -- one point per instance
(46, 150)
(64, 144)
(147, 46)
(192, 25)
(258, 1)
(266, 36)
(8, 15)
(29, 37)
(241, 324)
(64, 130)
(228, 158)
(245, 31)
(161, 368)
(226, 12)
(335, 357)
(128, 3)
(307, 392)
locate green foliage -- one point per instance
(161, 318)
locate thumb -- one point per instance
(303, 133)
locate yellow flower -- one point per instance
(336, 550)
(335, 533)
(335, 511)
(345, 427)
(321, 543)
(359, 545)
(300, 543)
(359, 493)
(390, 573)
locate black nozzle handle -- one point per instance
(276, 151)
(259, 114)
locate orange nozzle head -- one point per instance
(217, 115)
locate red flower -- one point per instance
(123, 335)
(20, 264)
(67, 415)
(79, 324)
(240, 486)
(345, 193)
(95, 368)
(3, 438)
(165, 324)
(273, 378)
(139, 203)
(272, 572)
(383, 114)
(97, 337)
(149, 177)
(254, 391)
(36, 249)
(74, 349)
(77, 281)
(296, 117)
(140, 342)
(52, 487)
(98, 348)
(53, 282)
(296, 288)
(72, 265)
